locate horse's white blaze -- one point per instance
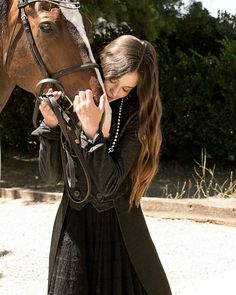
(74, 17)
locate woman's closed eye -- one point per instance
(126, 90)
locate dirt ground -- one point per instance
(199, 259)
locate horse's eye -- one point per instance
(46, 27)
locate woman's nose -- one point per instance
(115, 90)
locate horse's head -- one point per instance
(59, 34)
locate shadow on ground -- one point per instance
(21, 171)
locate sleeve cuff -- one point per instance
(91, 144)
(47, 132)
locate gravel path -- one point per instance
(198, 258)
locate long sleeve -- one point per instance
(109, 170)
(50, 166)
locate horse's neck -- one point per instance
(1, 47)
(6, 85)
(6, 88)
(1, 55)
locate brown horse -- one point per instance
(41, 39)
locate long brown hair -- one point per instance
(128, 54)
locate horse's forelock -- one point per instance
(76, 28)
(73, 17)
(74, 33)
(78, 32)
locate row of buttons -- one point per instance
(79, 197)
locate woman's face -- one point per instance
(119, 88)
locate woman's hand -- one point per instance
(88, 113)
(49, 116)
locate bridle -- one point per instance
(69, 131)
(36, 55)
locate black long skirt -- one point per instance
(92, 258)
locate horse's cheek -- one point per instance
(23, 51)
(22, 66)
(21, 60)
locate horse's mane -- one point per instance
(3, 12)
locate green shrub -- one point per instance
(197, 65)
(199, 101)
(16, 121)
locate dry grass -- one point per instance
(204, 184)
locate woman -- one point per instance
(102, 245)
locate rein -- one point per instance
(71, 132)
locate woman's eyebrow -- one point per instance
(129, 86)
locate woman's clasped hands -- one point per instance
(89, 114)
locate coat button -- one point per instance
(99, 196)
(77, 195)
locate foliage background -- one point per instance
(197, 68)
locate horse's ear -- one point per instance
(87, 24)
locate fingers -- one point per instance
(83, 98)
(86, 97)
(89, 95)
(102, 102)
(76, 102)
(57, 94)
(48, 114)
(45, 108)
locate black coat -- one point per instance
(110, 188)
